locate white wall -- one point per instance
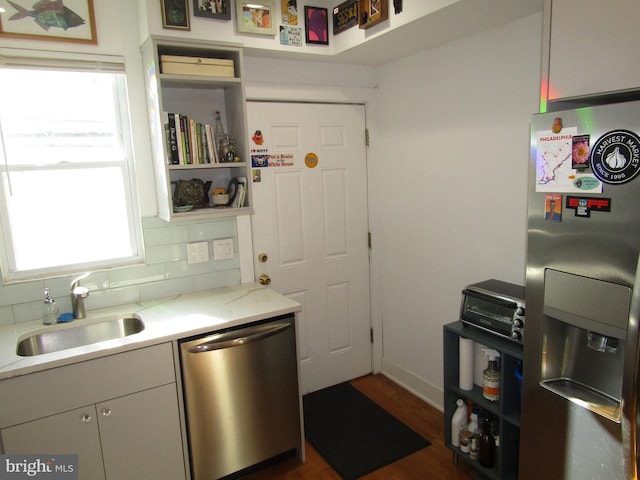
(448, 168)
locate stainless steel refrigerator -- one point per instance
(580, 385)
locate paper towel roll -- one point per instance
(466, 364)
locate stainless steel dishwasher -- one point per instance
(241, 396)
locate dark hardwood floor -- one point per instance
(434, 462)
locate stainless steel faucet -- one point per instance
(78, 294)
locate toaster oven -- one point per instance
(495, 306)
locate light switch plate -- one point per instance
(223, 249)
(197, 252)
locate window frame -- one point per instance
(14, 58)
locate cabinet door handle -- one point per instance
(85, 417)
(106, 412)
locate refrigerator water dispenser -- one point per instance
(583, 341)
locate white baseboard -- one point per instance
(431, 394)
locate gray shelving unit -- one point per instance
(507, 410)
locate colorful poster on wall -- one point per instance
(289, 9)
(291, 36)
(345, 16)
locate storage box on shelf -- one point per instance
(188, 82)
(506, 410)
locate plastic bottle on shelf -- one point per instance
(458, 422)
(474, 428)
(473, 421)
(491, 376)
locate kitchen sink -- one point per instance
(79, 334)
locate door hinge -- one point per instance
(369, 239)
(366, 137)
(371, 330)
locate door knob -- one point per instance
(85, 417)
(264, 279)
(106, 412)
(263, 257)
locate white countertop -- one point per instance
(165, 319)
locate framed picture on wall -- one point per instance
(345, 16)
(175, 14)
(73, 21)
(316, 25)
(372, 12)
(212, 9)
(256, 17)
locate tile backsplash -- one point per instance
(164, 273)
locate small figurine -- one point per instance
(557, 125)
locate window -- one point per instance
(67, 184)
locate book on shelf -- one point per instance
(172, 144)
(241, 194)
(188, 142)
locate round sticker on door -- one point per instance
(311, 160)
(615, 158)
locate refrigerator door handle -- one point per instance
(240, 337)
(630, 386)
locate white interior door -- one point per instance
(310, 229)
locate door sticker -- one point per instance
(615, 157)
(257, 138)
(311, 160)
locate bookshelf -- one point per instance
(195, 96)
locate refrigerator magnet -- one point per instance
(583, 206)
(553, 207)
(580, 152)
(615, 157)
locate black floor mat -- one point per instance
(353, 434)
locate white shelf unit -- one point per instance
(198, 97)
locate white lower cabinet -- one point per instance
(72, 432)
(134, 435)
(142, 428)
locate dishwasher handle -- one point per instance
(238, 337)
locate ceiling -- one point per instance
(458, 20)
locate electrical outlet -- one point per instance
(198, 252)
(223, 249)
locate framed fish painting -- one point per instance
(56, 20)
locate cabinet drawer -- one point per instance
(60, 389)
